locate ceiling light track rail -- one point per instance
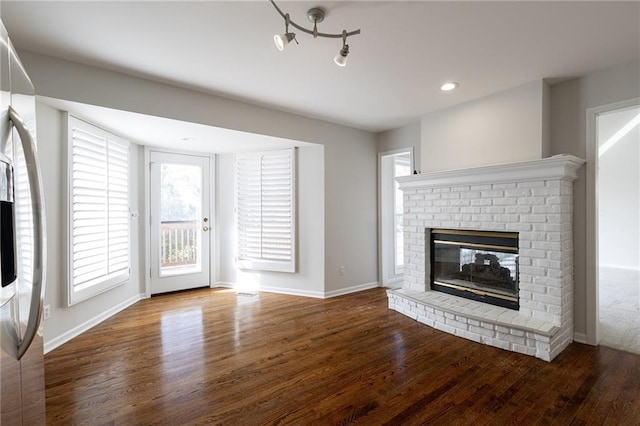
(314, 15)
(315, 34)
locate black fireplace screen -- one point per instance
(478, 265)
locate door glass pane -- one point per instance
(180, 219)
(401, 167)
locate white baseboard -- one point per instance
(223, 284)
(51, 344)
(352, 289)
(580, 338)
(305, 293)
(271, 289)
(292, 291)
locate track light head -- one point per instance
(281, 40)
(341, 58)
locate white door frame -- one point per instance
(147, 214)
(593, 269)
(386, 278)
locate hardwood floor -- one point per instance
(213, 357)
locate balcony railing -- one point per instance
(179, 243)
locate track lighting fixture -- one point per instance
(314, 15)
(341, 58)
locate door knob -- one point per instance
(205, 228)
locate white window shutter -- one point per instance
(118, 195)
(265, 210)
(248, 206)
(99, 210)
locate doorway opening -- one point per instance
(618, 227)
(391, 165)
(180, 186)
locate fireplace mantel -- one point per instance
(561, 166)
(531, 198)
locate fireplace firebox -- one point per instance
(477, 265)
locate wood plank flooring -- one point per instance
(214, 357)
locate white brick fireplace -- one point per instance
(532, 198)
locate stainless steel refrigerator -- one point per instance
(22, 248)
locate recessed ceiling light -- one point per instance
(449, 86)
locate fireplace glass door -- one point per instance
(477, 265)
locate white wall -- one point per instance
(67, 322)
(504, 127)
(619, 194)
(569, 103)
(401, 138)
(351, 221)
(349, 154)
(308, 280)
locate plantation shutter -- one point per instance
(265, 210)
(99, 210)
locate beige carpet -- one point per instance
(620, 314)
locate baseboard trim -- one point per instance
(352, 289)
(271, 289)
(92, 322)
(305, 293)
(580, 338)
(223, 284)
(292, 291)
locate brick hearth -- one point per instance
(533, 198)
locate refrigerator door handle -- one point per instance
(39, 241)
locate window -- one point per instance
(99, 229)
(265, 210)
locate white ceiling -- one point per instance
(169, 134)
(407, 49)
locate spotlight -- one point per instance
(341, 58)
(281, 40)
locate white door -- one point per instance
(180, 221)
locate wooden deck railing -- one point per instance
(179, 243)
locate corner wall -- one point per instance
(350, 210)
(569, 103)
(400, 138)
